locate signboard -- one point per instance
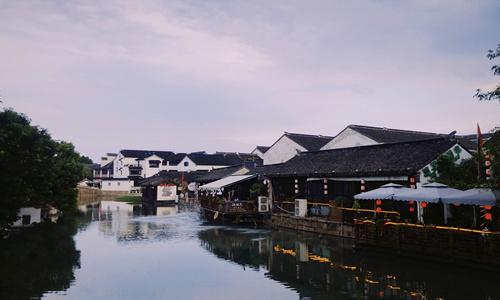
(236, 207)
(166, 192)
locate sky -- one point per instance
(228, 76)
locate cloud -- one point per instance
(211, 75)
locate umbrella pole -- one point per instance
(475, 217)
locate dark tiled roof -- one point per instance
(170, 156)
(262, 149)
(377, 160)
(310, 142)
(171, 177)
(221, 159)
(136, 153)
(388, 135)
(260, 171)
(217, 174)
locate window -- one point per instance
(26, 219)
(109, 183)
(186, 163)
(118, 184)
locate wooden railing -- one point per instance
(447, 242)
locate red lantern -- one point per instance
(362, 187)
(487, 216)
(379, 210)
(487, 207)
(487, 163)
(423, 204)
(411, 202)
(412, 209)
(379, 202)
(456, 204)
(412, 180)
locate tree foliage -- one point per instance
(36, 170)
(471, 172)
(495, 94)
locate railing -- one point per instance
(447, 242)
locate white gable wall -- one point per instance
(283, 150)
(121, 165)
(349, 138)
(186, 164)
(429, 171)
(147, 170)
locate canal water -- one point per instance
(115, 250)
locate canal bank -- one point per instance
(312, 224)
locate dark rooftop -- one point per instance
(376, 160)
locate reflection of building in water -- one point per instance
(167, 210)
(328, 268)
(117, 219)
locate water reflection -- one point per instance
(328, 268)
(169, 252)
(38, 259)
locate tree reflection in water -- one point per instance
(328, 268)
(38, 260)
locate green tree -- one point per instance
(495, 94)
(85, 160)
(36, 170)
(465, 174)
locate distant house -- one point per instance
(155, 162)
(201, 161)
(290, 144)
(28, 216)
(105, 170)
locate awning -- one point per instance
(226, 181)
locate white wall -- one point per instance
(283, 150)
(458, 153)
(117, 185)
(121, 165)
(348, 138)
(146, 170)
(34, 213)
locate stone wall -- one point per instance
(88, 195)
(314, 224)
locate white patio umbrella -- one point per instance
(432, 193)
(480, 196)
(386, 191)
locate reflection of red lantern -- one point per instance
(379, 210)
(423, 204)
(412, 209)
(379, 202)
(487, 207)
(381, 294)
(487, 216)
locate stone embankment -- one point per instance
(313, 224)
